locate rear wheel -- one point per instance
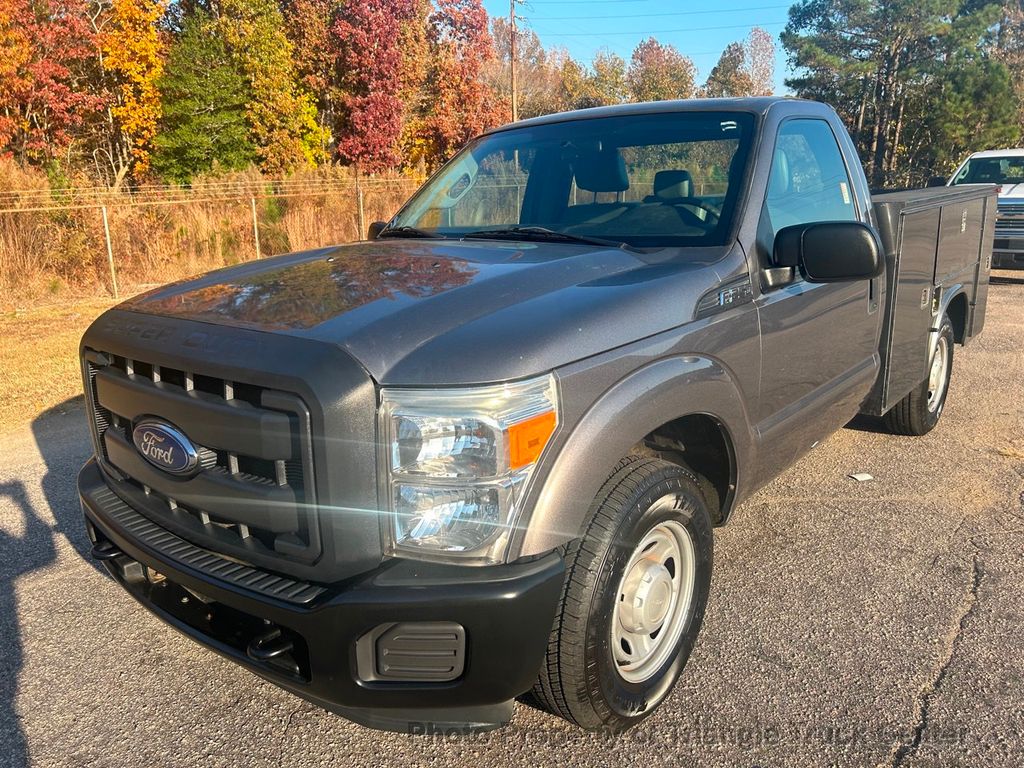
(919, 412)
(634, 598)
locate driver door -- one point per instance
(818, 340)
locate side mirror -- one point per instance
(375, 229)
(830, 251)
(937, 181)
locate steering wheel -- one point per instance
(696, 202)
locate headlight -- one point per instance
(458, 463)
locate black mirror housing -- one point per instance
(830, 252)
(937, 181)
(375, 229)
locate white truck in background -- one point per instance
(1004, 167)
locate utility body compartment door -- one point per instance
(938, 242)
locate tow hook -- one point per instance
(269, 646)
(105, 550)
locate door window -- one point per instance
(808, 180)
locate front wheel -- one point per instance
(634, 598)
(919, 412)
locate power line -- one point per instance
(653, 15)
(661, 31)
(595, 2)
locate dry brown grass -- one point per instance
(160, 235)
(54, 278)
(39, 359)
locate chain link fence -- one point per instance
(90, 241)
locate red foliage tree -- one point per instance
(368, 34)
(48, 46)
(464, 103)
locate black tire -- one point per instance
(580, 679)
(913, 415)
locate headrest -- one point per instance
(778, 184)
(601, 171)
(670, 185)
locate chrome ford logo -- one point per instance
(165, 447)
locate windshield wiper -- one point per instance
(406, 231)
(543, 233)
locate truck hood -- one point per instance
(448, 312)
(1014, 192)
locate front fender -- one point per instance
(619, 419)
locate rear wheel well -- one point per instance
(957, 311)
(701, 443)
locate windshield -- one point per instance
(667, 179)
(991, 170)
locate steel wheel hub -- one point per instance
(647, 597)
(654, 599)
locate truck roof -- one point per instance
(1013, 152)
(753, 104)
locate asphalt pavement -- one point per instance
(851, 623)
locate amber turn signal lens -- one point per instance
(526, 440)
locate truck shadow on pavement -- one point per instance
(62, 438)
(864, 423)
(20, 554)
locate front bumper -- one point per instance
(1008, 245)
(505, 612)
(1006, 257)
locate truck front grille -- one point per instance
(252, 496)
(1010, 227)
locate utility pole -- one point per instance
(513, 20)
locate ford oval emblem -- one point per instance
(165, 447)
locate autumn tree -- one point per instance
(760, 54)
(538, 70)
(413, 93)
(367, 33)
(659, 72)
(16, 46)
(203, 124)
(281, 116)
(45, 93)
(730, 76)
(606, 81)
(132, 55)
(308, 26)
(463, 103)
(744, 68)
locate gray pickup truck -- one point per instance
(481, 455)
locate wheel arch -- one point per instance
(655, 410)
(956, 305)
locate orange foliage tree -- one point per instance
(133, 55)
(15, 53)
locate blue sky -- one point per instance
(700, 31)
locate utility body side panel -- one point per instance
(938, 246)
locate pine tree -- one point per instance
(203, 101)
(886, 67)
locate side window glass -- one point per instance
(808, 180)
